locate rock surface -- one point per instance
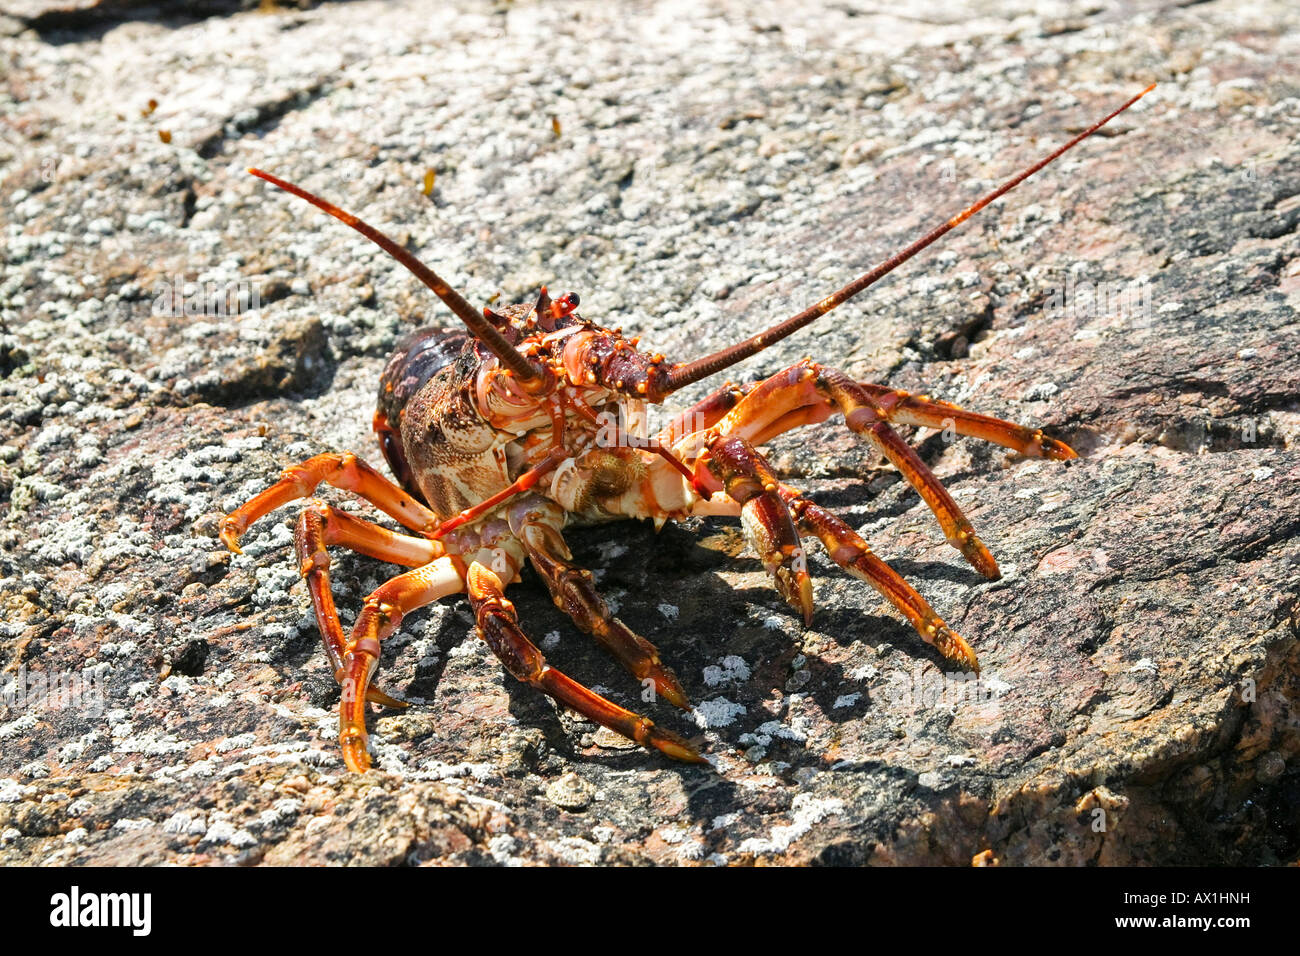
(174, 333)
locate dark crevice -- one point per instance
(78, 23)
(955, 343)
(189, 203)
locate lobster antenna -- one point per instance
(477, 322)
(688, 373)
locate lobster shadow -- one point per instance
(670, 588)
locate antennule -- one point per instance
(477, 323)
(688, 373)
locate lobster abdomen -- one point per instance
(418, 358)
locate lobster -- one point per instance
(501, 432)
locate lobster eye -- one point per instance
(562, 306)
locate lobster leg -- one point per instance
(808, 392)
(704, 413)
(499, 626)
(891, 404)
(747, 479)
(319, 525)
(380, 615)
(908, 409)
(536, 522)
(342, 470)
(730, 466)
(847, 549)
(956, 526)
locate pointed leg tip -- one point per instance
(984, 563)
(954, 647)
(1056, 450)
(674, 694)
(671, 745)
(796, 589)
(377, 696)
(352, 741)
(356, 759)
(979, 557)
(801, 606)
(663, 682)
(806, 599)
(682, 753)
(691, 755)
(230, 538)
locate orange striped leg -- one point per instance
(847, 549)
(342, 470)
(807, 393)
(788, 399)
(908, 409)
(861, 416)
(704, 413)
(379, 616)
(537, 524)
(498, 624)
(319, 526)
(747, 479)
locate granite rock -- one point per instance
(173, 333)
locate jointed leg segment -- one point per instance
(956, 527)
(319, 525)
(847, 549)
(380, 615)
(907, 409)
(774, 533)
(536, 522)
(748, 480)
(499, 626)
(342, 470)
(809, 392)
